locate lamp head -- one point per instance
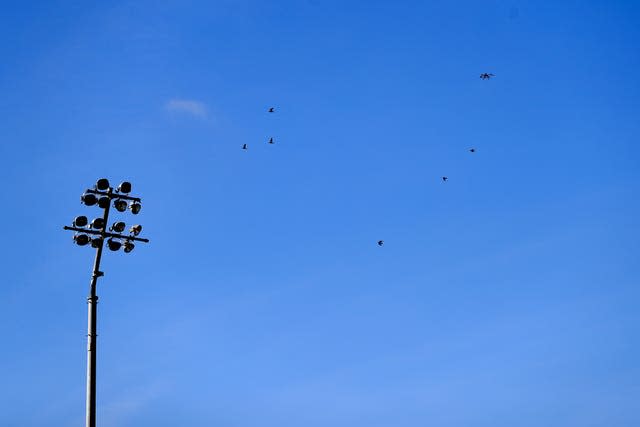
(135, 207)
(118, 226)
(114, 245)
(135, 229)
(80, 221)
(89, 199)
(102, 184)
(97, 223)
(124, 187)
(120, 205)
(96, 242)
(103, 202)
(81, 239)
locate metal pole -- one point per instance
(92, 335)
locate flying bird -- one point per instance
(444, 179)
(380, 242)
(472, 150)
(272, 110)
(244, 146)
(486, 76)
(271, 141)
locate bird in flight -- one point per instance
(472, 150)
(486, 76)
(272, 110)
(380, 242)
(244, 146)
(271, 141)
(444, 179)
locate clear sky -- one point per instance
(507, 296)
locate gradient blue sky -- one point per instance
(507, 296)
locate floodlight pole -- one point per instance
(92, 335)
(97, 242)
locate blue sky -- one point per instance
(506, 296)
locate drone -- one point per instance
(486, 76)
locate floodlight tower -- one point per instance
(95, 233)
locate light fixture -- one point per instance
(80, 221)
(81, 239)
(89, 199)
(114, 245)
(124, 187)
(120, 205)
(118, 227)
(103, 202)
(135, 229)
(135, 207)
(97, 223)
(95, 234)
(102, 184)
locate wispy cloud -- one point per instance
(188, 106)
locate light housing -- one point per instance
(124, 187)
(96, 242)
(103, 202)
(114, 245)
(118, 226)
(97, 223)
(81, 239)
(80, 221)
(120, 205)
(102, 184)
(135, 229)
(89, 199)
(128, 246)
(135, 207)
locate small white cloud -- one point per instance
(189, 106)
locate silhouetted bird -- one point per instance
(272, 110)
(380, 242)
(270, 140)
(472, 150)
(486, 76)
(244, 147)
(444, 178)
